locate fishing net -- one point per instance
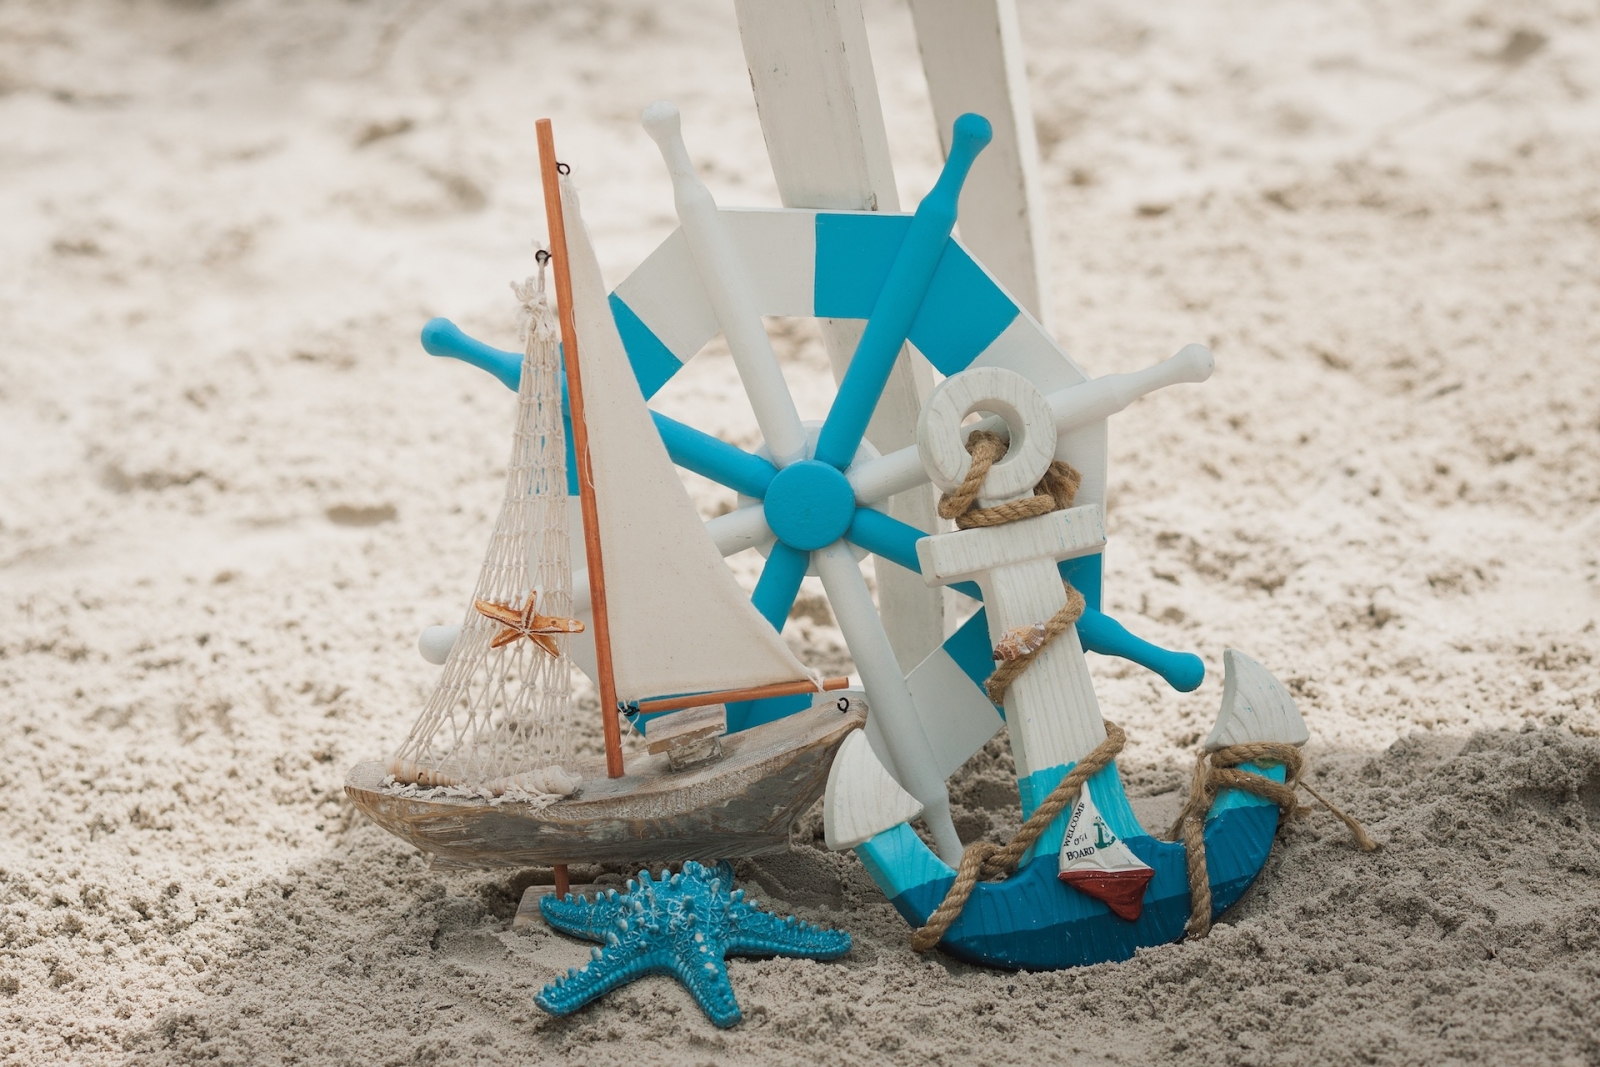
(497, 724)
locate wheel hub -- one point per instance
(809, 505)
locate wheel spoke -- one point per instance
(780, 583)
(729, 291)
(889, 538)
(1184, 671)
(900, 299)
(738, 530)
(695, 450)
(892, 716)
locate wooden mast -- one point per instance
(549, 172)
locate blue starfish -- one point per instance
(683, 926)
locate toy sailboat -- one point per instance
(486, 778)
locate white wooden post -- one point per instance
(818, 101)
(972, 56)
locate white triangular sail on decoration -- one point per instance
(499, 721)
(679, 623)
(1094, 860)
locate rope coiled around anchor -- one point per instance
(1216, 771)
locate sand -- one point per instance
(233, 490)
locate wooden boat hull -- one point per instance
(740, 805)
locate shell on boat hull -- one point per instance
(740, 805)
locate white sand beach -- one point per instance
(233, 489)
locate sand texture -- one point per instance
(233, 490)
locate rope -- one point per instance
(1010, 670)
(1216, 772)
(985, 859)
(1056, 490)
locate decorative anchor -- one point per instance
(1050, 708)
(1082, 904)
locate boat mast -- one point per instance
(549, 170)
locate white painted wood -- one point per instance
(779, 252)
(1255, 707)
(727, 284)
(862, 798)
(817, 96)
(1102, 397)
(890, 709)
(666, 293)
(1075, 408)
(1052, 715)
(1011, 398)
(973, 58)
(1051, 710)
(966, 555)
(739, 529)
(878, 479)
(956, 715)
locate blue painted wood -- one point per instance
(961, 314)
(896, 542)
(897, 305)
(779, 583)
(652, 361)
(1084, 574)
(743, 714)
(696, 450)
(1034, 921)
(688, 447)
(809, 505)
(1184, 671)
(969, 647)
(441, 337)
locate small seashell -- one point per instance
(1019, 641)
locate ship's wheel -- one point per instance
(819, 507)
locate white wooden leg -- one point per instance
(972, 56)
(818, 101)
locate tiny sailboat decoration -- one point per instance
(487, 776)
(1094, 860)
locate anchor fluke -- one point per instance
(1255, 707)
(862, 798)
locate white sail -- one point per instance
(679, 622)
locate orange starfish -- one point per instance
(527, 623)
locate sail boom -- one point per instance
(727, 696)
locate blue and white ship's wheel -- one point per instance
(818, 498)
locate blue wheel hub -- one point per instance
(809, 505)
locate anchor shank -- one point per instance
(1051, 711)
